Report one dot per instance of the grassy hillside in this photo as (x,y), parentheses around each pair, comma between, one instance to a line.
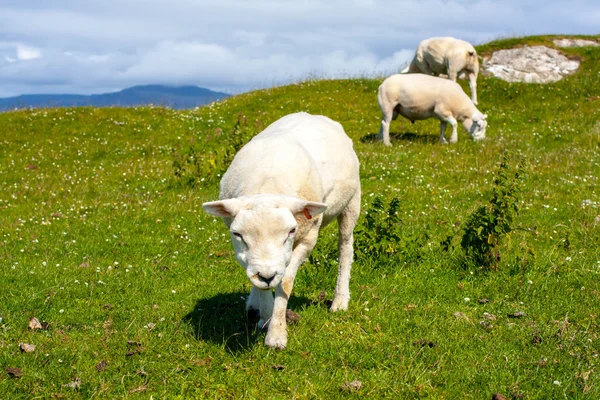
(104,238)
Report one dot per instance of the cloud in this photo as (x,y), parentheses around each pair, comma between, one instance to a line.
(27,53)
(237,45)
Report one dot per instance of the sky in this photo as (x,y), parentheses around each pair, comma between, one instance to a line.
(93,46)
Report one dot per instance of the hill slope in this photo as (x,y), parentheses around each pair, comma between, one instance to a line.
(167,96)
(100,210)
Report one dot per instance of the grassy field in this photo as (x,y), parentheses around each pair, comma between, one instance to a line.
(105,241)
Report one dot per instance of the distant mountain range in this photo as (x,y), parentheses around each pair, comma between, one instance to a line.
(159,95)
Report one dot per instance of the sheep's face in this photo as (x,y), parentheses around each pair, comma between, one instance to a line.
(262,238)
(477,126)
(262,229)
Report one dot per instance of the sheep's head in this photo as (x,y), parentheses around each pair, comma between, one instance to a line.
(262,229)
(476,126)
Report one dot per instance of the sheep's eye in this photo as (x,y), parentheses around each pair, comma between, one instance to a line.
(238,235)
(292,232)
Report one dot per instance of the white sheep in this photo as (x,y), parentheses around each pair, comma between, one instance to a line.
(293,178)
(449,56)
(419,96)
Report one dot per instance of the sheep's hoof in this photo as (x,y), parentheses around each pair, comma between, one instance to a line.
(339,304)
(276,342)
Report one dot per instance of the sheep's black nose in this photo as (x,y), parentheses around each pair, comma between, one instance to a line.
(266,280)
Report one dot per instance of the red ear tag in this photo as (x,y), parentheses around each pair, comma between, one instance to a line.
(306,214)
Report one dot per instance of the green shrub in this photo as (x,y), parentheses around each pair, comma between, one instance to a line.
(489,224)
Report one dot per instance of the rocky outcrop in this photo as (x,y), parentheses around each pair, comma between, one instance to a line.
(535,64)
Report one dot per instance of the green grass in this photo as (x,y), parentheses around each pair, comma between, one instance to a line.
(101,240)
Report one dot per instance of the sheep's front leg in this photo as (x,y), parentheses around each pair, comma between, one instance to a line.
(452,121)
(454,137)
(346,222)
(261,301)
(277,331)
(442,132)
(452,74)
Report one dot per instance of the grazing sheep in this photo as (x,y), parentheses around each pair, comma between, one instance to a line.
(418,96)
(290,180)
(447,55)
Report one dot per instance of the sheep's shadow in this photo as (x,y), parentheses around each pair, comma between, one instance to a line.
(403,136)
(222,319)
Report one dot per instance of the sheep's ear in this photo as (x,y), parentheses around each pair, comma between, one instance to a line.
(313,208)
(308,208)
(484,116)
(221,208)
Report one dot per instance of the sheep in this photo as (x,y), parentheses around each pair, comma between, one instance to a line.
(281,188)
(419,96)
(449,56)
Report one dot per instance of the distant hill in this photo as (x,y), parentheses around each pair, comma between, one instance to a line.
(158,95)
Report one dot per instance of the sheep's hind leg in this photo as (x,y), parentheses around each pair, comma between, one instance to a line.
(473,86)
(387,115)
(346,222)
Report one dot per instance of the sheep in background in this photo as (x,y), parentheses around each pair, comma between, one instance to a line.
(290,180)
(419,96)
(449,56)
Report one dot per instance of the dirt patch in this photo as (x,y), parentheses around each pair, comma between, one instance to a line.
(535,64)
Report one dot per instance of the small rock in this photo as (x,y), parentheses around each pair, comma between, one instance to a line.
(101,366)
(518,314)
(73,385)
(489,317)
(34,323)
(26,347)
(498,396)
(483,301)
(278,367)
(351,386)
(485,324)
(14,372)
(460,315)
(291,317)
